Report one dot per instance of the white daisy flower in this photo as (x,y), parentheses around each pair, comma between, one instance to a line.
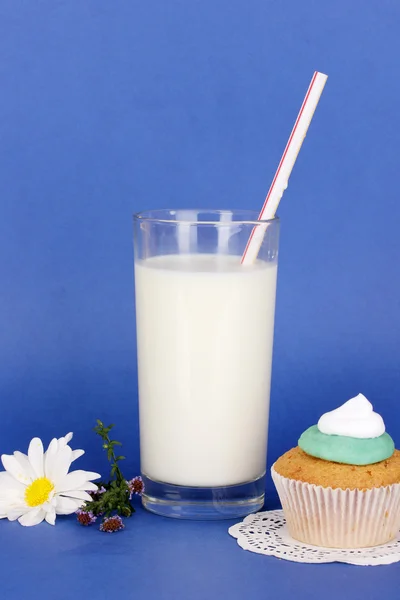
(38,486)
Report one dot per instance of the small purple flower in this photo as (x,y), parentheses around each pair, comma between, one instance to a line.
(97,493)
(85,517)
(135,486)
(112,524)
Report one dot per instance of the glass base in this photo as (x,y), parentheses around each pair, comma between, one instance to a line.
(199,503)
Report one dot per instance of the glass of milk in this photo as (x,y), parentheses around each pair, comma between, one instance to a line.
(205,330)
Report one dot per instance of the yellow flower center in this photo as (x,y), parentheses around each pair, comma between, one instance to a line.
(38,492)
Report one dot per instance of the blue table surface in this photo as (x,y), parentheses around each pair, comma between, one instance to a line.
(155,557)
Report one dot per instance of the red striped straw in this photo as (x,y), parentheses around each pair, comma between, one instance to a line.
(280,181)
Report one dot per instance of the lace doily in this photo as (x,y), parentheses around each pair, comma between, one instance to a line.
(266,533)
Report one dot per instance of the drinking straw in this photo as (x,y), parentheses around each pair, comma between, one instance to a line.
(280,181)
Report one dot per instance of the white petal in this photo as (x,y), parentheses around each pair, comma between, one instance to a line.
(67,506)
(50,458)
(8,483)
(53,447)
(63,441)
(76,480)
(25,464)
(33,517)
(13,503)
(60,465)
(4,508)
(15,513)
(77,454)
(78,494)
(14,468)
(11,497)
(51,516)
(36,456)
(88,486)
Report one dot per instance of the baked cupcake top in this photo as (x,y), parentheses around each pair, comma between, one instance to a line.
(352,434)
(296,464)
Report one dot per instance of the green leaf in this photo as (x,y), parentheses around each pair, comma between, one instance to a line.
(116,497)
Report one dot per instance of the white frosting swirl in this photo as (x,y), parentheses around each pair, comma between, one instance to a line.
(355,418)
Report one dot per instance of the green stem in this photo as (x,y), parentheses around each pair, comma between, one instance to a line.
(118,474)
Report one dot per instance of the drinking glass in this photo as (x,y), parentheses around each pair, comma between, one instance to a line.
(204,344)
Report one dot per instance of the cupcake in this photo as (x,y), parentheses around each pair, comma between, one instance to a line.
(340,487)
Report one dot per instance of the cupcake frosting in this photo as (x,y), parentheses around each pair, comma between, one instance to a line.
(351,434)
(355,418)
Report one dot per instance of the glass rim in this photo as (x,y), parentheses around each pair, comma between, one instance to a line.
(149,216)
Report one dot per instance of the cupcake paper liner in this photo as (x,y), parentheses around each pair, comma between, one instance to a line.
(336,518)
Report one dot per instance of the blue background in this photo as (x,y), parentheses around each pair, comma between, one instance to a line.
(107,108)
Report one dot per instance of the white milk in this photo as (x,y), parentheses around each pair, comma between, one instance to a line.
(204,331)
